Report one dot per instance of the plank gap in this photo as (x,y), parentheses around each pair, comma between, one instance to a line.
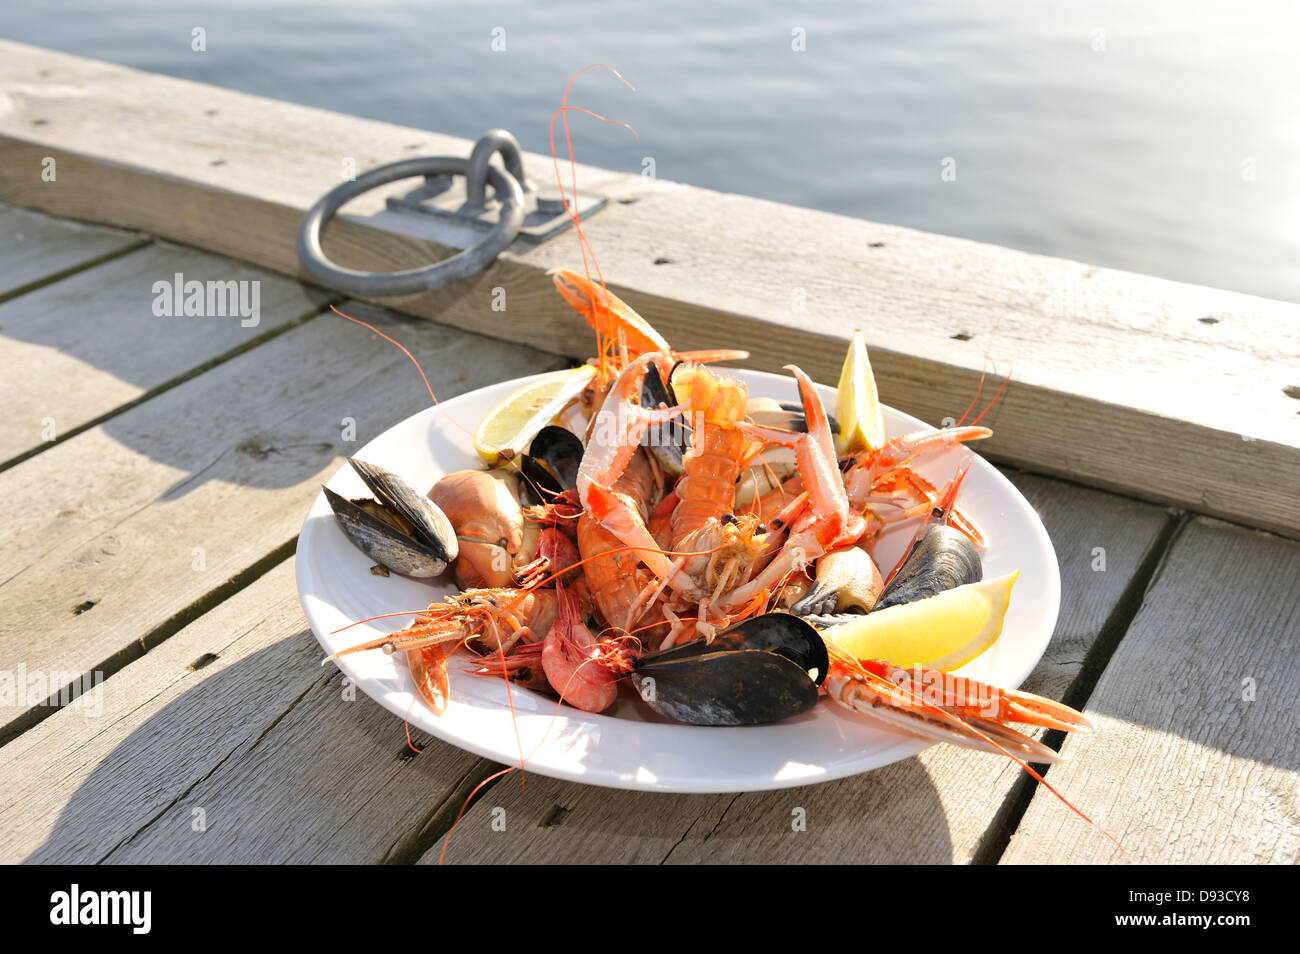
(74,270)
(454,806)
(170,384)
(180,797)
(1192,764)
(1011,465)
(997,836)
(133,651)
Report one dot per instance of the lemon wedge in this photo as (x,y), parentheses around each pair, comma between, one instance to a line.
(862,424)
(506,431)
(941,632)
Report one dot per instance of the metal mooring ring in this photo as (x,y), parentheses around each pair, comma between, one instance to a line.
(489,144)
(414,280)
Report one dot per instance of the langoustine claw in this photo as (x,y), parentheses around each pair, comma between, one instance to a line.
(483,506)
(428,668)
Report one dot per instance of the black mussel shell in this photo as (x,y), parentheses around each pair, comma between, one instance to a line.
(400,529)
(749,687)
(667,442)
(537,484)
(763,670)
(790,418)
(654,392)
(782,633)
(560,451)
(941,560)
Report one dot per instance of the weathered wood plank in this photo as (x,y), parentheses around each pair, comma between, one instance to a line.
(35,248)
(228,743)
(85,346)
(1121,381)
(1198,756)
(109,540)
(935,808)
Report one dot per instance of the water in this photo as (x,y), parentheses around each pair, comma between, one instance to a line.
(1159,137)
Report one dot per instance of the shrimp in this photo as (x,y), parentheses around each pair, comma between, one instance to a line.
(428,666)
(583,670)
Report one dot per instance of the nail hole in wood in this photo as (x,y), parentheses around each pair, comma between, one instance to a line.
(1208,320)
(962,336)
(630,200)
(554,817)
(663,261)
(1292,391)
(82,607)
(877,244)
(207,659)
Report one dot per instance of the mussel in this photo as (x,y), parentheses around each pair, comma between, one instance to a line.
(399,529)
(764,669)
(667,442)
(551,465)
(942,559)
(769,470)
(787,415)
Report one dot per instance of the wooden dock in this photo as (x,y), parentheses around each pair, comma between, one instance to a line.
(154,473)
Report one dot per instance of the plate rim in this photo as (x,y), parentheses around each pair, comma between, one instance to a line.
(902,748)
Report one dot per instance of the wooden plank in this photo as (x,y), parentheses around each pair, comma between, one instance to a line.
(114,539)
(1198,756)
(228,743)
(937,807)
(36,249)
(83,347)
(1174,392)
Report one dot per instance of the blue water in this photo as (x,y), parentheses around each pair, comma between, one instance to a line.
(1160,137)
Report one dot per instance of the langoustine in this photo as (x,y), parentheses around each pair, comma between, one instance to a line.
(664,561)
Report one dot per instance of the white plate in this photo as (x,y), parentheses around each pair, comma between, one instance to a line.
(629,746)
